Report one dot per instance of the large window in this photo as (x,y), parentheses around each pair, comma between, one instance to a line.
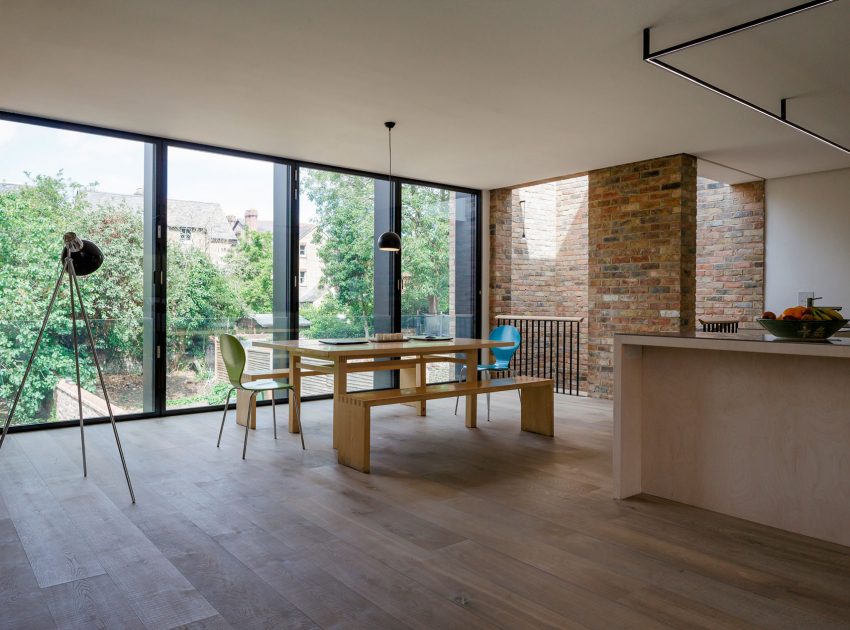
(199,241)
(53,181)
(220,231)
(438,266)
(337,266)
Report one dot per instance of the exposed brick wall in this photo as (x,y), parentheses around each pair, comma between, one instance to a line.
(730,251)
(544,272)
(668,248)
(642,256)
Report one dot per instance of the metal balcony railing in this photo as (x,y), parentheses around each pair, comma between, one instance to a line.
(550,348)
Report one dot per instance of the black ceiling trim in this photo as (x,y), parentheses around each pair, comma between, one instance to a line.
(653,58)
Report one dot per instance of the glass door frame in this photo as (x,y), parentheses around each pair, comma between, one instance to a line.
(286,290)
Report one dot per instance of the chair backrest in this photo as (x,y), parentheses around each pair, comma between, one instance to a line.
(724,326)
(504,355)
(233,355)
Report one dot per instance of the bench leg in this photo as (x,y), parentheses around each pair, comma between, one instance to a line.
(246,409)
(538,410)
(353,432)
(414,377)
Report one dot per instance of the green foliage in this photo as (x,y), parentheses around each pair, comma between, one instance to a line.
(250,265)
(425,250)
(345,239)
(33,220)
(201,301)
(215,396)
(329,319)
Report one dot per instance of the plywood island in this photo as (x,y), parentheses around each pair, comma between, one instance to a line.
(745,425)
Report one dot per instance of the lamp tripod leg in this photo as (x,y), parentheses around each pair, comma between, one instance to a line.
(77,365)
(32,356)
(100,378)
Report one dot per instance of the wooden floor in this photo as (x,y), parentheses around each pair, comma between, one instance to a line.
(455,528)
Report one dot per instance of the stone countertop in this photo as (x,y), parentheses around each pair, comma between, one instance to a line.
(739,342)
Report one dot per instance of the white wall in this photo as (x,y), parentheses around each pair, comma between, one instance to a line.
(807,239)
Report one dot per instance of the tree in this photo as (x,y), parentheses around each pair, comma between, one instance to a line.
(344,235)
(425,250)
(250,264)
(201,299)
(33,220)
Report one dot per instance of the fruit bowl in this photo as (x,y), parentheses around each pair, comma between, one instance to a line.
(803,330)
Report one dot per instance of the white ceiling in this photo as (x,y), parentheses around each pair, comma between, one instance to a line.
(486,93)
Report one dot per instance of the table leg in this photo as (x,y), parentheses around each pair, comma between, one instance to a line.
(294,395)
(340,387)
(246,409)
(471,401)
(353,424)
(416,376)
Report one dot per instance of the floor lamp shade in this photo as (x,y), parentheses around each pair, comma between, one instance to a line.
(86,256)
(389,242)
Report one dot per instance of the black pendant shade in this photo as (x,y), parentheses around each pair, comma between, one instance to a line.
(389,242)
(86,256)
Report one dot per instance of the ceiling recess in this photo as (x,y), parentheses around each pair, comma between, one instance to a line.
(654,59)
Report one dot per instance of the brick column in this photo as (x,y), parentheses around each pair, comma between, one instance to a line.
(642,220)
(730,251)
(501,252)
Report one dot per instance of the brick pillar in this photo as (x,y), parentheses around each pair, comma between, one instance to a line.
(501,252)
(642,220)
(730,251)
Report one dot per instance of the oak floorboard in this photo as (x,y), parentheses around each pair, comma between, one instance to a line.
(94,602)
(241,597)
(22,604)
(56,551)
(489,528)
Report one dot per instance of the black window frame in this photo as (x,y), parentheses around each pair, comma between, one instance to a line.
(287,305)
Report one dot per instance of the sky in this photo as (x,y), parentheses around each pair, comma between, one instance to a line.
(117,166)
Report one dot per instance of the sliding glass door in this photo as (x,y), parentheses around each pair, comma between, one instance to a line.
(339,213)
(220,252)
(53,181)
(438,266)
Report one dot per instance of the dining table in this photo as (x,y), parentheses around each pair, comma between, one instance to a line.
(411,357)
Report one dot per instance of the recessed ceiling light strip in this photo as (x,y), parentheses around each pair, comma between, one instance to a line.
(652,58)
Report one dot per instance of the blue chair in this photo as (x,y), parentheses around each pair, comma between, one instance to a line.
(502,358)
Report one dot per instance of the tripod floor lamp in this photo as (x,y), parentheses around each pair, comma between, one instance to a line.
(79,258)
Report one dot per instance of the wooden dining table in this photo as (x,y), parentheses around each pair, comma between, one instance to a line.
(411,358)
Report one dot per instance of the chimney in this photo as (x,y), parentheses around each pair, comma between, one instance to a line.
(231,219)
(251,218)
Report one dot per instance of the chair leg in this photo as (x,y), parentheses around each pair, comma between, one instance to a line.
(457,402)
(274,415)
(247,425)
(487,372)
(300,426)
(226,405)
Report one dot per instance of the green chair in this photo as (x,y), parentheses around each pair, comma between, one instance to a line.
(234,360)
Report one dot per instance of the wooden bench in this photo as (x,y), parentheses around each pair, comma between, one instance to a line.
(537,410)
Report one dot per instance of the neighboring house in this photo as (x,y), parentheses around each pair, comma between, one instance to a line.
(310,265)
(204,225)
(199,224)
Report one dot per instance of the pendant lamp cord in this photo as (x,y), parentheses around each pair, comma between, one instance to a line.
(390,139)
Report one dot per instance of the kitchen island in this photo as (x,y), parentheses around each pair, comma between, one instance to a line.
(745,425)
